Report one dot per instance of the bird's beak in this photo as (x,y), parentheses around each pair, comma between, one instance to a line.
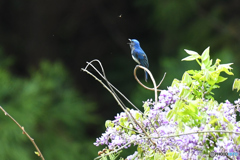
(130,41)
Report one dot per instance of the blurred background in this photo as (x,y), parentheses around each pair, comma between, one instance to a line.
(44,45)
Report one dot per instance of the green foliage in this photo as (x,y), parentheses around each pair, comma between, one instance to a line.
(195,87)
(201,83)
(51,111)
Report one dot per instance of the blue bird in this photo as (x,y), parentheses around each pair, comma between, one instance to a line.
(139,55)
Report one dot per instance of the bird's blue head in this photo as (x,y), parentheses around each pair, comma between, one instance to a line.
(133,43)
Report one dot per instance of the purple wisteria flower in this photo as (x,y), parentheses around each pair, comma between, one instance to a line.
(154,132)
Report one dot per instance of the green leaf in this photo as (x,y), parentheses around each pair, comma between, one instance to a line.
(207,75)
(146,108)
(158,156)
(225,120)
(185,93)
(213,77)
(206,62)
(171,155)
(225,68)
(139,150)
(192,72)
(193,55)
(123,121)
(230,126)
(203,67)
(109,123)
(118,128)
(197,76)
(170,114)
(138,115)
(236,84)
(215,138)
(213,121)
(189,58)
(205,54)
(238,140)
(186,79)
(192,107)
(221,79)
(220,106)
(175,83)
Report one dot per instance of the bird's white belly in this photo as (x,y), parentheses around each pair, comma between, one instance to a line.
(135,59)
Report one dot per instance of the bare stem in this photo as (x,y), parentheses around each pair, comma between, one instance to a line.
(105,78)
(134,122)
(155,88)
(24,132)
(111,90)
(196,132)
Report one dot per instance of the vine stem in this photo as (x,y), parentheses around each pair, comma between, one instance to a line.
(24,132)
(155,87)
(134,122)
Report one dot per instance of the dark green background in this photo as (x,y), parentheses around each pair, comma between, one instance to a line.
(44,44)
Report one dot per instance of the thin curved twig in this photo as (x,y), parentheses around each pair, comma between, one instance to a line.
(196,132)
(161,80)
(155,88)
(110,89)
(124,108)
(105,78)
(24,132)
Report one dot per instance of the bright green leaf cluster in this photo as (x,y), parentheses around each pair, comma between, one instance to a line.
(195,87)
(202,82)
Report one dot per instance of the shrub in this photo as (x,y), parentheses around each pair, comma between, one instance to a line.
(185,122)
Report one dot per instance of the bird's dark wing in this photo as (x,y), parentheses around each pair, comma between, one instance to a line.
(140,57)
(144,60)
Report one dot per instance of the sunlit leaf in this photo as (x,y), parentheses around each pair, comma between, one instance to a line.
(213,121)
(221,79)
(109,123)
(138,115)
(205,54)
(189,58)
(192,53)
(238,140)
(236,84)
(186,78)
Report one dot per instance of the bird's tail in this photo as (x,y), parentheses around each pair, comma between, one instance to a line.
(146,76)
